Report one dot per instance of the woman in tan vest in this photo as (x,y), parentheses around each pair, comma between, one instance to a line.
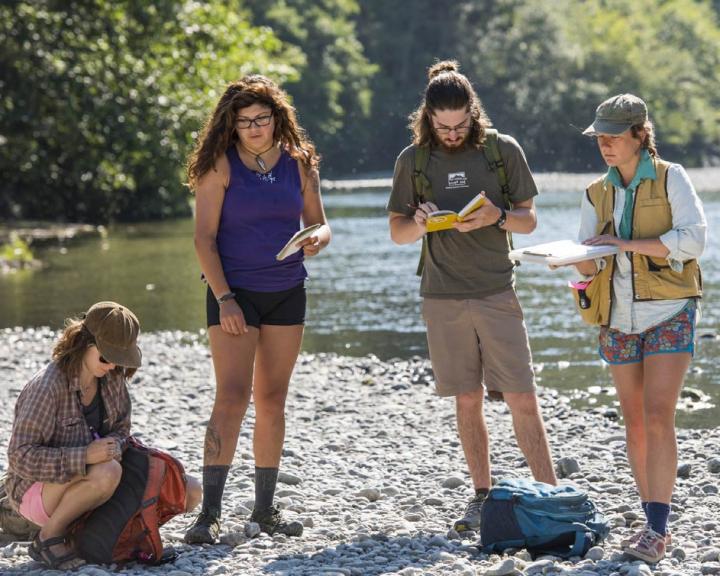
(646,297)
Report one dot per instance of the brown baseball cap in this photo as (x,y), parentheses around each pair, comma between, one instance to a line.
(618,114)
(115,329)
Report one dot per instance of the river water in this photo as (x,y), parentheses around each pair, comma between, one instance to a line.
(362,293)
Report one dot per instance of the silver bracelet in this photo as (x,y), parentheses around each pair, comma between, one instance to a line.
(225,297)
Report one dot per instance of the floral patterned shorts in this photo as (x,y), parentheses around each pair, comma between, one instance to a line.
(674,335)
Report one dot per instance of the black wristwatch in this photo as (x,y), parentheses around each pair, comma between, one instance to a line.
(503,218)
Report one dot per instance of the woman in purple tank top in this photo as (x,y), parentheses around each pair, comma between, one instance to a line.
(255,178)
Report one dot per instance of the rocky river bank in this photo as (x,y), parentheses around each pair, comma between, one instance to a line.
(373,469)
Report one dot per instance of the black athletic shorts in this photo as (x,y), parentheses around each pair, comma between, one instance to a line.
(284,308)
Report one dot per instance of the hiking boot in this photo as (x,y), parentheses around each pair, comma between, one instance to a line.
(650,546)
(205,529)
(271,522)
(470,522)
(626,542)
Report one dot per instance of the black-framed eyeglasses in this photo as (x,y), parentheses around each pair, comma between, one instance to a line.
(259,121)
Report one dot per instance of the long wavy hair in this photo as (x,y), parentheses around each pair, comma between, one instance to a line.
(220,132)
(70,349)
(448,89)
(648,141)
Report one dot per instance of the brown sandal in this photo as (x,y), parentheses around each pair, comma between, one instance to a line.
(39,551)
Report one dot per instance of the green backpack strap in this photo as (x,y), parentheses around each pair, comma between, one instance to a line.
(423,189)
(495,160)
(423,192)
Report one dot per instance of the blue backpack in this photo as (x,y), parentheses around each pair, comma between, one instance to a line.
(544,519)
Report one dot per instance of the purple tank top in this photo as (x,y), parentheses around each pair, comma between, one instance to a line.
(260,213)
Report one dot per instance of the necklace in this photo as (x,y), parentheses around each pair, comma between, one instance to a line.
(258,157)
(85,390)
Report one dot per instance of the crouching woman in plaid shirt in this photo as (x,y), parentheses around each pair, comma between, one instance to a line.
(70,423)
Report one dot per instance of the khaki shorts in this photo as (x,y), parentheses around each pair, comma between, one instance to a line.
(476,342)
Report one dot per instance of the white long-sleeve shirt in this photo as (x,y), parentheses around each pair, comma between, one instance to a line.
(685,241)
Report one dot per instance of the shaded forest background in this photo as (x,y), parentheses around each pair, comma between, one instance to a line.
(100,101)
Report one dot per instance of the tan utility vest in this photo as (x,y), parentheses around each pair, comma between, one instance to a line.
(652,278)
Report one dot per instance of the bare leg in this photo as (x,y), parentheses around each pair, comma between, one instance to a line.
(664,374)
(530,434)
(66,502)
(628,379)
(277,352)
(474,436)
(233,358)
(193,493)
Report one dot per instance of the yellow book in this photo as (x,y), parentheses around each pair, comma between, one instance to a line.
(444,219)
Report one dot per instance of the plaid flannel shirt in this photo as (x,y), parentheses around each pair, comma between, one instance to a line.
(50,436)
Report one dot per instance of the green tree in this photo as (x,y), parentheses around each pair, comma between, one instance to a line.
(332,92)
(541,68)
(669,54)
(99,100)
(404,39)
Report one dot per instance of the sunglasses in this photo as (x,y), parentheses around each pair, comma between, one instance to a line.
(104,361)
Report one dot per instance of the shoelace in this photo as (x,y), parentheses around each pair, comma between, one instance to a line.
(473,507)
(200,518)
(648,538)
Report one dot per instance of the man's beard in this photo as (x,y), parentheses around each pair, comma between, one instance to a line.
(457,146)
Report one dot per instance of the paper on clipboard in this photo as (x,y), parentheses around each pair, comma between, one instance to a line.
(561,252)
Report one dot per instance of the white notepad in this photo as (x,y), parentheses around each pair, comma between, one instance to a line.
(561,252)
(293,244)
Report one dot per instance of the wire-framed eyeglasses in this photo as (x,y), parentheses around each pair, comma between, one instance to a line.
(460,128)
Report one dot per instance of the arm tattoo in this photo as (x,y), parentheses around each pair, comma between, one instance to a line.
(213,445)
(313,181)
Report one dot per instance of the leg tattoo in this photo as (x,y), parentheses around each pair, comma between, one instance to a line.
(213,445)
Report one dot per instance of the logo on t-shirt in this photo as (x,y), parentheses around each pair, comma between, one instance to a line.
(456,180)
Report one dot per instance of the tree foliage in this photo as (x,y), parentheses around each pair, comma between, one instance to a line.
(100,100)
(332,92)
(541,68)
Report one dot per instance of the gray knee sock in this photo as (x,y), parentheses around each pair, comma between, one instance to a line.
(265,482)
(213,486)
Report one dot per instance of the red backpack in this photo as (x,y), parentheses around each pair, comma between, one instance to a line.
(127,527)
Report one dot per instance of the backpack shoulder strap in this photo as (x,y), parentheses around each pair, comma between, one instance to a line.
(497,164)
(423,189)
(495,160)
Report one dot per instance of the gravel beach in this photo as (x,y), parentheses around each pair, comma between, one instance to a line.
(373,468)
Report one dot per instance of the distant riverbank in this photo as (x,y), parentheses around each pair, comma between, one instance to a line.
(704,180)
(18,240)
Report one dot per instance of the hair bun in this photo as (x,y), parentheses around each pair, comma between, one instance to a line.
(442,67)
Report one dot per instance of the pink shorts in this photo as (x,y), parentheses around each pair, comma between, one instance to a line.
(32,507)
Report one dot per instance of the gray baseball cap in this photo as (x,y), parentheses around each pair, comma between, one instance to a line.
(617,114)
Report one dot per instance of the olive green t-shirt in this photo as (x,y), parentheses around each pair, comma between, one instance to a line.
(464,264)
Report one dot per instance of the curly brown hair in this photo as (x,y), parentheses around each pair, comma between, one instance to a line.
(648,141)
(70,349)
(219,131)
(448,89)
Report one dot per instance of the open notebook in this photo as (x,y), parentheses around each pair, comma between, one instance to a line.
(561,252)
(293,244)
(444,219)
